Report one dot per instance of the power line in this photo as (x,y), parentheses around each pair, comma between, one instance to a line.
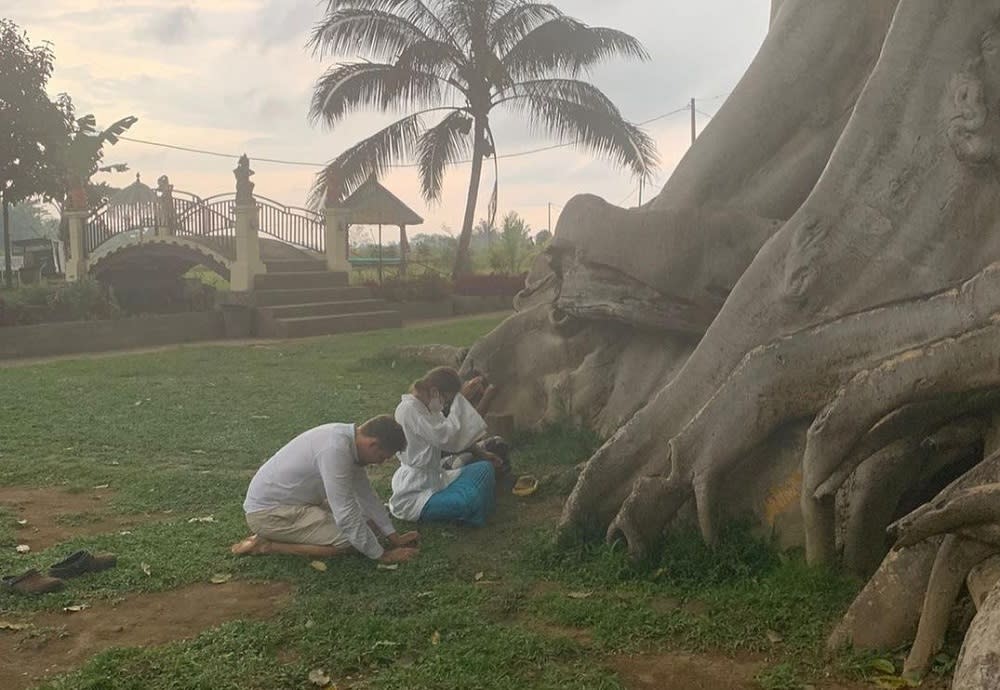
(219,154)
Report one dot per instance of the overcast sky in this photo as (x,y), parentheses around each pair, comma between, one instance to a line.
(234,76)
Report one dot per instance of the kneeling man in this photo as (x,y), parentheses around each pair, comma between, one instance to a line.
(313,497)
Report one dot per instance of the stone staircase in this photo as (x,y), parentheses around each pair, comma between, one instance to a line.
(298,298)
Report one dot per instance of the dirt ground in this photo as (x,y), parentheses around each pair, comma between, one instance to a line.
(58,642)
(680,671)
(53,516)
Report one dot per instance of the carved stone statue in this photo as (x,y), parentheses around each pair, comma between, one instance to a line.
(244,187)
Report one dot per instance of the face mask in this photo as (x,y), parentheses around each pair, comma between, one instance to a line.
(436,405)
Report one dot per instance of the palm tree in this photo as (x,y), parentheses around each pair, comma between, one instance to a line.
(460,59)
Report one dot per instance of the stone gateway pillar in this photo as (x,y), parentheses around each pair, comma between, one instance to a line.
(337,222)
(76,265)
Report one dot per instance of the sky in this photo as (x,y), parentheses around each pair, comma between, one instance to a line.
(234,76)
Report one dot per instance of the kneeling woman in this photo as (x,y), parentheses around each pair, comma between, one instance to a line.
(422,490)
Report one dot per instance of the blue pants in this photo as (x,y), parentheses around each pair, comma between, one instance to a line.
(469,499)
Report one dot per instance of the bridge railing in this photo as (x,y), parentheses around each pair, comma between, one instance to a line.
(291,224)
(210,221)
(131,221)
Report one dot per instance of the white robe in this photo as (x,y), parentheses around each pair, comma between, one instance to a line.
(420,474)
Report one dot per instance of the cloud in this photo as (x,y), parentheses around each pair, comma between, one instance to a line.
(172,26)
(280,22)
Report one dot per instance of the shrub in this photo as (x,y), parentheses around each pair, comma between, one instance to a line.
(85,300)
(428,287)
(492,285)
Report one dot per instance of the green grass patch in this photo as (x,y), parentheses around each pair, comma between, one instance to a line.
(178,434)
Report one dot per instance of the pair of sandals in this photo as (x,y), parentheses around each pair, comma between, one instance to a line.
(79,563)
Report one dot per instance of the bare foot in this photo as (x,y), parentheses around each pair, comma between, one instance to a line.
(251,545)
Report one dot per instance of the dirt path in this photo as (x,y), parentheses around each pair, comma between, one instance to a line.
(52,515)
(59,642)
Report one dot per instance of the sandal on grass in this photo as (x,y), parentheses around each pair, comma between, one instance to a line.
(31,582)
(82,562)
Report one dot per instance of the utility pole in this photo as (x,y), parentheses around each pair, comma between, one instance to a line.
(7,253)
(640,190)
(550,217)
(694,122)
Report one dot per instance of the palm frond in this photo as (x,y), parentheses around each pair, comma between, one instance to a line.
(572,90)
(113,133)
(368,158)
(517,21)
(433,57)
(440,146)
(415,11)
(566,45)
(376,34)
(345,88)
(596,130)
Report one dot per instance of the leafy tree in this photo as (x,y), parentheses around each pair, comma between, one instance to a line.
(33,128)
(483,54)
(84,153)
(513,248)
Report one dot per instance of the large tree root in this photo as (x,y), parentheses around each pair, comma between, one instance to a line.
(947,366)
(955,558)
(978,666)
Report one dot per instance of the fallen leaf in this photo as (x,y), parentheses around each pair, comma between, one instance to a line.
(22,522)
(198,452)
(883,666)
(424,595)
(221,578)
(137,403)
(391,566)
(309,624)
(259,416)
(318,565)
(319,677)
(5,625)
(101,486)
(207,518)
(580,595)
(115,463)
(393,365)
(22,548)
(479,576)
(145,568)
(385,643)
(125,533)
(773,637)
(76,608)
(436,638)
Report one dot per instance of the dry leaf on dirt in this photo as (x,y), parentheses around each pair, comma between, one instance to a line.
(5,625)
(22,523)
(391,566)
(580,595)
(319,677)
(221,578)
(436,638)
(318,565)
(22,548)
(145,568)
(102,486)
(76,608)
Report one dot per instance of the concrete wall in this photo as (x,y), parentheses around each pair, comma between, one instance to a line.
(73,337)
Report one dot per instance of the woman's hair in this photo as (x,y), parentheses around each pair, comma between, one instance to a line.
(445,379)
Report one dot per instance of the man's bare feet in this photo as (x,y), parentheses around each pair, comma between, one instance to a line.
(251,545)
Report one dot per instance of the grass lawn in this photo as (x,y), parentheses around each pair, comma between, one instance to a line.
(177,435)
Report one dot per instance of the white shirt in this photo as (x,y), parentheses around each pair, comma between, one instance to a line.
(321,466)
(427,434)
